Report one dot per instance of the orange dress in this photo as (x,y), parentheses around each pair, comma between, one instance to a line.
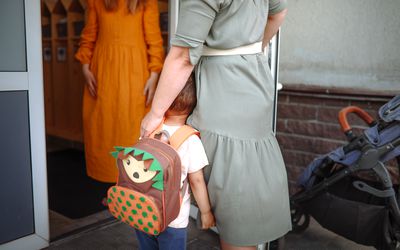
(122,49)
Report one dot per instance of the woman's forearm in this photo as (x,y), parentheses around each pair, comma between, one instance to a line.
(174,75)
(273,24)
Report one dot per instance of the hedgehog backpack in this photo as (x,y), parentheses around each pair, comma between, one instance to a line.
(147,195)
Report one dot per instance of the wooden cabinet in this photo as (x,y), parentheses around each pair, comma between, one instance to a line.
(62,22)
(47,61)
(163,8)
(75,24)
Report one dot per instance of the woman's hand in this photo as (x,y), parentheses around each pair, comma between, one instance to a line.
(150,123)
(150,87)
(207,220)
(90,80)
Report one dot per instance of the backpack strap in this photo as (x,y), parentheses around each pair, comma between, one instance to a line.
(176,141)
(181,135)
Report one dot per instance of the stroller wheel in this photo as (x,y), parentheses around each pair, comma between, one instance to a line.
(300,220)
(395,245)
(278,244)
(391,233)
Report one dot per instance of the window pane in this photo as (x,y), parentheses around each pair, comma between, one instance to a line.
(12,36)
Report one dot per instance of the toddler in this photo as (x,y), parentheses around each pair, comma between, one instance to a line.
(193,159)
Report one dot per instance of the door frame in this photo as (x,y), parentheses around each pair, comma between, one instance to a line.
(32,82)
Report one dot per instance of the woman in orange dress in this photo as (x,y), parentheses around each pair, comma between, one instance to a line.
(121,52)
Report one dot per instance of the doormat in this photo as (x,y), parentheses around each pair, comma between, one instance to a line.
(71,192)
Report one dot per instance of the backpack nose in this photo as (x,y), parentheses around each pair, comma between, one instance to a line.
(136,175)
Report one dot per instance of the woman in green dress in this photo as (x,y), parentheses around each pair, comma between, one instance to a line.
(222,40)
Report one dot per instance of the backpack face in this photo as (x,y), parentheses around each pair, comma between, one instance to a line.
(136,170)
(147,194)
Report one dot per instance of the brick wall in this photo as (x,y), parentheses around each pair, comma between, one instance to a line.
(307,125)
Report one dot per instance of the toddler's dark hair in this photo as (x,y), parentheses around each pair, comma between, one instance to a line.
(186,100)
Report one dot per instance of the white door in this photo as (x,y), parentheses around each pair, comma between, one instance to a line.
(23,183)
(273,58)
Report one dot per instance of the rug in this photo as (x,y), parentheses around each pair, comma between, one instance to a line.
(71,192)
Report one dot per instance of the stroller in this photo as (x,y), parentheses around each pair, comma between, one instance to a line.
(349,191)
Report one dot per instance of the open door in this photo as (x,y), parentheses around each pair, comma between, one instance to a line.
(23,182)
(273,60)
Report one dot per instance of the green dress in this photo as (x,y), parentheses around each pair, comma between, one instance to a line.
(247,180)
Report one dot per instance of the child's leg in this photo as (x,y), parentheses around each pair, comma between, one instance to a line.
(146,241)
(173,238)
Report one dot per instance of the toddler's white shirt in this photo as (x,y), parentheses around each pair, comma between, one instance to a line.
(193,158)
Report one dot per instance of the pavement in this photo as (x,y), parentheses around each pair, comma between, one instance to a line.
(113,234)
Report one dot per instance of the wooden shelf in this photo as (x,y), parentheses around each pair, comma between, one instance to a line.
(74,37)
(60,39)
(64,133)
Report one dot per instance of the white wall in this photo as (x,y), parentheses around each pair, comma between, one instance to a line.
(352,44)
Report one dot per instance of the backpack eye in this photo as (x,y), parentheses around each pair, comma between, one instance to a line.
(128,162)
(145,170)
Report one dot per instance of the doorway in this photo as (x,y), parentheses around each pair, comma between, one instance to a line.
(75,200)
(69,189)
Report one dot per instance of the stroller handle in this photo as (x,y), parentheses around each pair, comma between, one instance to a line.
(344,123)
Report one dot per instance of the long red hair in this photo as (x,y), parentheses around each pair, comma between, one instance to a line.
(131,4)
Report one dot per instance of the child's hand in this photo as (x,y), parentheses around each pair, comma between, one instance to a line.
(207,220)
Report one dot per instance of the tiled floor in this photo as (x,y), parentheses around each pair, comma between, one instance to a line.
(116,235)
(317,238)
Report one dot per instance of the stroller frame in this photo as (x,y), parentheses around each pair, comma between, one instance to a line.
(369,160)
